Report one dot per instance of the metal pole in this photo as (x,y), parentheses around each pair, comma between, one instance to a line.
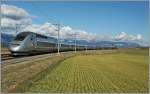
(16,28)
(86,48)
(58,37)
(75,45)
(58,44)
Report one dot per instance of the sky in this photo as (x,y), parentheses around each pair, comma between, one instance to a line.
(128,20)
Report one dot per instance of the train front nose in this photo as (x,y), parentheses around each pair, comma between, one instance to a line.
(14,48)
(17,48)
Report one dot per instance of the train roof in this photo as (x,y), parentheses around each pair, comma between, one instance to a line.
(30,32)
(53,39)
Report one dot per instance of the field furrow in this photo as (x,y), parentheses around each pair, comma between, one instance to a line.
(102,73)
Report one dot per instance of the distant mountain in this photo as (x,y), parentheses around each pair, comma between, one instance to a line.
(5,39)
(116,44)
(125,44)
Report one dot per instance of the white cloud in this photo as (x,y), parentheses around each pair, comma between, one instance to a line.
(13,12)
(12,15)
(7,22)
(65,31)
(127,37)
(68,32)
(139,37)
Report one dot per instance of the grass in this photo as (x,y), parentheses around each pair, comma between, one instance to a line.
(124,71)
(15,74)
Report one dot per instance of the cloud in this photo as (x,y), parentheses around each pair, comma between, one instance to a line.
(127,37)
(11,23)
(139,37)
(12,15)
(45,29)
(13,12)
(7,22)
(65,31)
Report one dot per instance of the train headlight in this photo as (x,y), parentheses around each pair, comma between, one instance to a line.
(15,48)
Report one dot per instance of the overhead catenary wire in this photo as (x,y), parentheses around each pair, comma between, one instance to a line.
(75,43)
(57,25)
(45,14)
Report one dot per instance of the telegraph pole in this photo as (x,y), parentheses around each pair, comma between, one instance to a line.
(58,37)
(17,28)
(86,48)
(75,43)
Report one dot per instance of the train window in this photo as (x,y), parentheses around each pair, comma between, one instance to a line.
(20,37)
(32,38)
(45,44)
(41,36)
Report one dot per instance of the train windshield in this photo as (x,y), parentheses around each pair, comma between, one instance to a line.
(21,37)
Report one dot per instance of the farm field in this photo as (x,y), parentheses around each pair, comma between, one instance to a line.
(124,71)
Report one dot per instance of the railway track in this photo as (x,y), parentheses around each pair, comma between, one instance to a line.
(6,57)
(23,59)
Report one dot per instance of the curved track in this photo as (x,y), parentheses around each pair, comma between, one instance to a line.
(12,60)
(6,57)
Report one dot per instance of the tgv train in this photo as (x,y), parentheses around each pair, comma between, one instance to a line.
(27,42)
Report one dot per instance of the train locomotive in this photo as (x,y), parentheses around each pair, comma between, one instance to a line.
(26,43)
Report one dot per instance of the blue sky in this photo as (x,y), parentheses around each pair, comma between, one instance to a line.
(97,17)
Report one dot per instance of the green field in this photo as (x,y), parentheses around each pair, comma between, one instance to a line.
(124,71)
